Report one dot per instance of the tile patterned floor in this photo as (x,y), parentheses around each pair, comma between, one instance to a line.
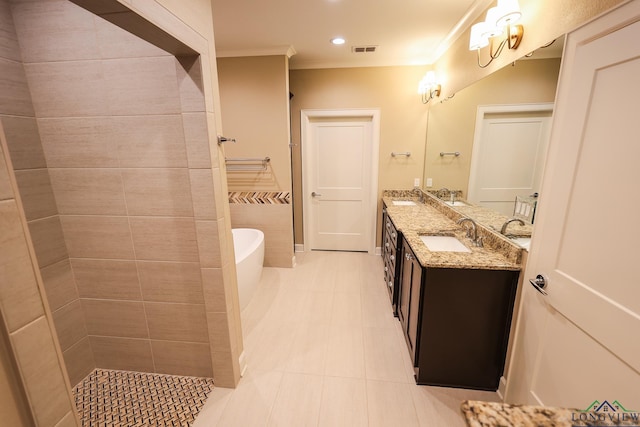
(131,399)
(323,349)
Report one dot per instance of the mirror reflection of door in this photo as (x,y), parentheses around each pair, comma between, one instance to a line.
(509,150)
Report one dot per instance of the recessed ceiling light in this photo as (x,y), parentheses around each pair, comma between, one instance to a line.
(338,40)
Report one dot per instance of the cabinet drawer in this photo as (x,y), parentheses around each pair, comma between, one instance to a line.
(391,231)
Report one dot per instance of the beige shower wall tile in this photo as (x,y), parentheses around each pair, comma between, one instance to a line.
(23,140)
(98,237)
(177,322)
(171,282)
(16,98)
(209,244)
(122,353)
(182,358)
(164,239)
(106,279)
(197,140)
(158,192)
(115,318)
(59,284)
(221,335)
(9,47)
(226,371)
(204,204)
(69,420)
(88,191)
(216,150)
(115,42)
(141,86)
(190,84)
(6,190)
(54,31)
(70,325)
(76,142)
(40,368)
(221,195)
(150,141)
(79,361)
(48,240)
(36,193)
(68,88)
(216,299)
(19,295)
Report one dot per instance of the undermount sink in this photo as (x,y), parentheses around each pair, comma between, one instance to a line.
(403,203)
(456,203)
(444,244)
(524,242)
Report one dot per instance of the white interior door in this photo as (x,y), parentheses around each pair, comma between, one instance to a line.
(338,153)
(580,343)
(508,154)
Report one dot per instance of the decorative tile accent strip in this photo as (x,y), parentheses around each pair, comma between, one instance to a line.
(260,197)
(130,399)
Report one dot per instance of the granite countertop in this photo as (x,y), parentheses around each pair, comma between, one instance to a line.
(434,217)
(496,414)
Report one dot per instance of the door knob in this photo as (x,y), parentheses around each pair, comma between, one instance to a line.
(314,194)
(540,283)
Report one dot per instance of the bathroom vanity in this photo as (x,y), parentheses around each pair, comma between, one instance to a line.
(454,303)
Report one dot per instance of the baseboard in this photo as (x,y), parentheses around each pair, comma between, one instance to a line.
(299,248)
(242,361)
(378,250)
(502,388)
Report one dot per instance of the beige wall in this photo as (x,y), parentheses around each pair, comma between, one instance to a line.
(451,124)
(36,191)
(543,20)
(150,118)
(26,318)
(254,94)
(124,183)
(403,119)
(13,401)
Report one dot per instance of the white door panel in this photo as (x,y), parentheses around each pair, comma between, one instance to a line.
(585,239)
(508,154)
(340,156)
(572,357)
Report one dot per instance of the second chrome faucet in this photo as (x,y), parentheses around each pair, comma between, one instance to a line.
(472,232)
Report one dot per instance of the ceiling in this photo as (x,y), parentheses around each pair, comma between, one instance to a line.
(404,32)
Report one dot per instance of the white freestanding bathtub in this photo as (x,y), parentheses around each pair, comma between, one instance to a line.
(248,245)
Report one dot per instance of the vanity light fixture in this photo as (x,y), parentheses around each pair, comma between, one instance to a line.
(428,87)
(502,16)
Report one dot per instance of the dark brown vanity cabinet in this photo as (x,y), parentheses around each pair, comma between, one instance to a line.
(456,322)
(390,238)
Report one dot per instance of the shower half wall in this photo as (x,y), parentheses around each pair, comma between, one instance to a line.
(110,147)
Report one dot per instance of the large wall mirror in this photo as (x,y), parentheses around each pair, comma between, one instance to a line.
(500,127)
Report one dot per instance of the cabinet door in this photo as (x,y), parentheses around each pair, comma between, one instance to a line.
(409,299)
(414,305)
(405,286)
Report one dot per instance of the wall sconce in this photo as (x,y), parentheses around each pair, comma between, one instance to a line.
(428,87)
(505,14)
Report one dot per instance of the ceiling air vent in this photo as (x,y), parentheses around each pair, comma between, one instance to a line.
(363,49)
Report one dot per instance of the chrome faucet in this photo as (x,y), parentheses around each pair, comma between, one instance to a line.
(472,232)
(503,230)
(418,192)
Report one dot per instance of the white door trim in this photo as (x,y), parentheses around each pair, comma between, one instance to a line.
(482,111)
(306,116)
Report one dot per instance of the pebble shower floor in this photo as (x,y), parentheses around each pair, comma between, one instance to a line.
(122,398)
